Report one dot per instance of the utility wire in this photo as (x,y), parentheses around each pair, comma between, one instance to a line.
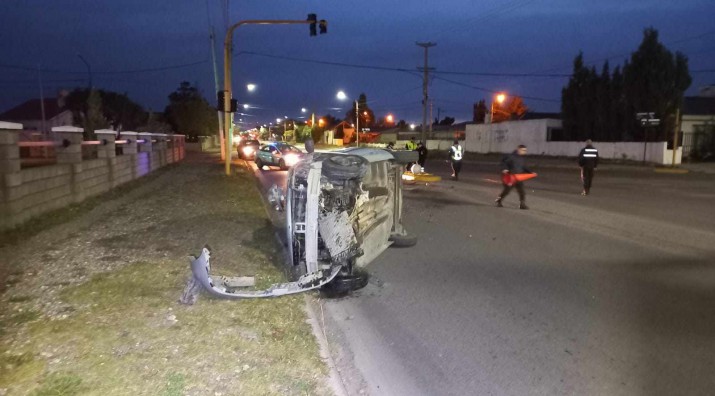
(147,70)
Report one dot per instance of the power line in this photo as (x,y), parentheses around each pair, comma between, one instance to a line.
(147,70)
(491,91)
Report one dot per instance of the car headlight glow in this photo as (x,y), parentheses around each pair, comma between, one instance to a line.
(291,159)
(248,150)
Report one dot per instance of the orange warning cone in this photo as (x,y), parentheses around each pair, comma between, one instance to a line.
(524,176)
(510,178)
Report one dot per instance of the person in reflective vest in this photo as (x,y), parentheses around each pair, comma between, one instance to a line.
(456,152)
(588,161)
(411,145)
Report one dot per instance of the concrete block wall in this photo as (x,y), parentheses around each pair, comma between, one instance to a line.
(27,193)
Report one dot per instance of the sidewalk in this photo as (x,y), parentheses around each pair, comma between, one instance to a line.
(91,300)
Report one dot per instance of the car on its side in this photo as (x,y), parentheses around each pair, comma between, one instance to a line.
(343,209)
(279,154)
(247,148)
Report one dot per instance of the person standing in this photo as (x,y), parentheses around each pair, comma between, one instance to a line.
(411,145)
(421,155)
(456,152)
(588,161)
(514,164)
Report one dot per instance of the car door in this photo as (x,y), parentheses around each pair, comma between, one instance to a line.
(265,154)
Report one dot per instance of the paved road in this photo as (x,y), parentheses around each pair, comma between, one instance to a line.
(613,293)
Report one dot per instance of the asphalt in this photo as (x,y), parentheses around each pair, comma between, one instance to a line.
(613,293)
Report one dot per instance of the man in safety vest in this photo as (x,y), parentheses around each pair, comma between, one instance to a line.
(456,152)
(411,145)
(588,161)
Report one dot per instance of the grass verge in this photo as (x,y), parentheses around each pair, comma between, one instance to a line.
(125,332)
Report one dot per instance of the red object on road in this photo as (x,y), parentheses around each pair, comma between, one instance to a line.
(510,178)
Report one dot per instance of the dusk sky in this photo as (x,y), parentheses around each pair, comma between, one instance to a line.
(122,39)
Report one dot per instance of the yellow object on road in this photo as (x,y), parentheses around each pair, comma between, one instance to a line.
(410,178)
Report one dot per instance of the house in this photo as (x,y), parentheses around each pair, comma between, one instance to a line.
(29,114)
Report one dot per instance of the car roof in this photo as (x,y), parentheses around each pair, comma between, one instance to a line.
(370,154)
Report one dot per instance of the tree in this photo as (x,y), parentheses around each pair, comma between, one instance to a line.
(367,117)
(446,121)
(512,109)
(117,109)
(654,80)
(479,112)
(92,118)
(604,106)
(189,113)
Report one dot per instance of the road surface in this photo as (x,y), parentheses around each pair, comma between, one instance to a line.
(613,293)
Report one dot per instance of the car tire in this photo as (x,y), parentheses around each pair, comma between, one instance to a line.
(342,285)
(403,240)
(282,165)
(259,163)
(344,167)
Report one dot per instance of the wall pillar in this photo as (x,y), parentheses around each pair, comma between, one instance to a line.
(107,150)
(130,149)
(69,151)
(10,176)
(160,148)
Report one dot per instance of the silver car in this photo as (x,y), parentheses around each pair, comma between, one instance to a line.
(343,209)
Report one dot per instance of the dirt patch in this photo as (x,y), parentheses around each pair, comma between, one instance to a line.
(91,301)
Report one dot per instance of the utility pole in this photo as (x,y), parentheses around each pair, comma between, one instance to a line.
(42,99)
(425,95)
(431,119)
(216,84)
(675,136)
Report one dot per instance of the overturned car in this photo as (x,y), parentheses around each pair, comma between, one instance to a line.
(343,209)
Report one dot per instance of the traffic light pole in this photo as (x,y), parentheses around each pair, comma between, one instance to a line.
(227,50)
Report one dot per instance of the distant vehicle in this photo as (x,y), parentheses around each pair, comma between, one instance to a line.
(279,154)
(247,149)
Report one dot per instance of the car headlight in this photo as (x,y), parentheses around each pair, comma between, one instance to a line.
(248,150)
(291,159)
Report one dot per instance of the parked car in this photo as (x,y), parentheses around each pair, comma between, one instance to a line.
(247,149)
(343,209)
(279,154)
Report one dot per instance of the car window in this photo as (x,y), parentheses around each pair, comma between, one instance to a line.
(272,149)
(266,148)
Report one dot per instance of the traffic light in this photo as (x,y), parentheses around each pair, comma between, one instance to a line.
(313,19)
(323,26)
(234,106)
(221,96)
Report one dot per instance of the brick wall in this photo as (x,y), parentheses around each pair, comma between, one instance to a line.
(27,193)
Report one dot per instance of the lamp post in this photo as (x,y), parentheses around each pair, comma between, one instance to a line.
(342,96)
(500,97)
(227,57)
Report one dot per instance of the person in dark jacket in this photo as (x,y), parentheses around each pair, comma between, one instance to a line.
(588,161)
(421,155)
(514,163)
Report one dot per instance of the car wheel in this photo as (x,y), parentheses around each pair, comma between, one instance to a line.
(341,285)
(282,165)
(345,167)
(259,163)
(403,240)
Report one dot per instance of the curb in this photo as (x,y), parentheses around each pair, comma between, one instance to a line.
(672,171)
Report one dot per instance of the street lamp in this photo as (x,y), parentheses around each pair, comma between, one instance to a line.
(246,106)
(500,98)
(251,87)
(390,118)
(342,96)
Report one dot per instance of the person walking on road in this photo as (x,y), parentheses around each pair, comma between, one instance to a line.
(514,164)
(588,161)
(421,155)
(456,152)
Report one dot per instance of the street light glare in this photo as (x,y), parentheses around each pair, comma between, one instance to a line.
(341,95)
(246,106)
(278,120)
(501,98)
(251,87)
(303,110)
(412,126)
